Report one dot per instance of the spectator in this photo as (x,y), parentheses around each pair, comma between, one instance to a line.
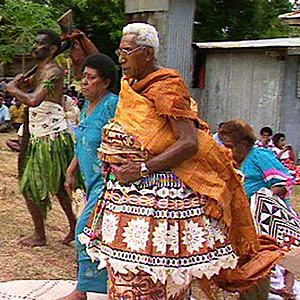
(265,141)
(217,136)
(72,113)
(17,114)
(286,155)
(73,91)
(4,116)
(15,144)
(80,103)
(3,85)
(8,101)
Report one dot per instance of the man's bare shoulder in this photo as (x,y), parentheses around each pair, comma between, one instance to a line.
(52,70)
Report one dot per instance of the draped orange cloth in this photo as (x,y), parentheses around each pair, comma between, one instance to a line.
(81,48)
(144,111)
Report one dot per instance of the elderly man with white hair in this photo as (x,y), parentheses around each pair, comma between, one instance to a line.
(171,206)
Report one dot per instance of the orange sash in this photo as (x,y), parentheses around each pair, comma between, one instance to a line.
(209,172)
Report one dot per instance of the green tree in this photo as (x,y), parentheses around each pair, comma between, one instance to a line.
(20,21)
(240,19)
(100,20)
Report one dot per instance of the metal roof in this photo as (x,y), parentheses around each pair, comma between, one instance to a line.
(291,18)
(290,15)
(262,43)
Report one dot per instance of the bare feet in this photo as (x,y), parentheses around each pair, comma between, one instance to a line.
(75,295)
(69,238)
(33,241)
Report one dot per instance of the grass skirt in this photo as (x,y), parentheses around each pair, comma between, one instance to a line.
(45,167)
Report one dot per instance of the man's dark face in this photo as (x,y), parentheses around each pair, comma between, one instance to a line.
(1,101)
(41,48)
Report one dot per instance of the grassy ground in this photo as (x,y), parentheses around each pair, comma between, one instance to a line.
(296,198)
(54,261)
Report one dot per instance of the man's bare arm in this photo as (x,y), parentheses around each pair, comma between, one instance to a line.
(45,87)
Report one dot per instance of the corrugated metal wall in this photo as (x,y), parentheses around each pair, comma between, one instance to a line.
(290,104)
(242,84)
(174,20)
(179,37)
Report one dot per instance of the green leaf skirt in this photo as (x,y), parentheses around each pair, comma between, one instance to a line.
(45,167)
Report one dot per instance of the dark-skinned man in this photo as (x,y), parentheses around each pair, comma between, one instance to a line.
(50,147)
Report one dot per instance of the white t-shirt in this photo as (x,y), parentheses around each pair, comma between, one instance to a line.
(285,155)
(4,113)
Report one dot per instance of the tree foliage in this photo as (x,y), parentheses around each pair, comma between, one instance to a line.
(20,20)
(102,21)
(240,19)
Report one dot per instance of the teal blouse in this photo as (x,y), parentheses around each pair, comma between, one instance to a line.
(88,139)
(262,169)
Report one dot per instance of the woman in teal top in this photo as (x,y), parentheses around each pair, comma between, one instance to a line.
(260,168)
(100,75)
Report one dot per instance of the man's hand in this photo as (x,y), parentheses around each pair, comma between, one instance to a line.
(284,293)
(127,172)
(15,84)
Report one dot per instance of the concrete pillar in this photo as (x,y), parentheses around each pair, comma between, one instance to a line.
(174,21)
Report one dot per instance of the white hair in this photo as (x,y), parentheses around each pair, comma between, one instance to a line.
(146,34)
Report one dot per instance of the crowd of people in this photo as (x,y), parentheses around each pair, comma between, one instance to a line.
(166,205)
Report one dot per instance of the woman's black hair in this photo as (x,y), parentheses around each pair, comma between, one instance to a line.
(267,130)
(277,137)
(104,66)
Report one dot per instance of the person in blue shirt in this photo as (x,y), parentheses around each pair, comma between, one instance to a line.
(99,77)
(259,168)
(4,116)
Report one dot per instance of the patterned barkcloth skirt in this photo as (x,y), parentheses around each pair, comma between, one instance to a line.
(275,219)
(154,237)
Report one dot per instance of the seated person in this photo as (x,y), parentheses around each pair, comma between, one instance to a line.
(4,116)
(286,155)
(15,144)
(8,101)
(265,141)
(80,103)
(74,93)
(217,136)
(17,114)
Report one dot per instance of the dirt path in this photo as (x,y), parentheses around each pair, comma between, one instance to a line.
(53,261)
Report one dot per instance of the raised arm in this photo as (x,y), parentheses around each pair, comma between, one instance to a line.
(46,87)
